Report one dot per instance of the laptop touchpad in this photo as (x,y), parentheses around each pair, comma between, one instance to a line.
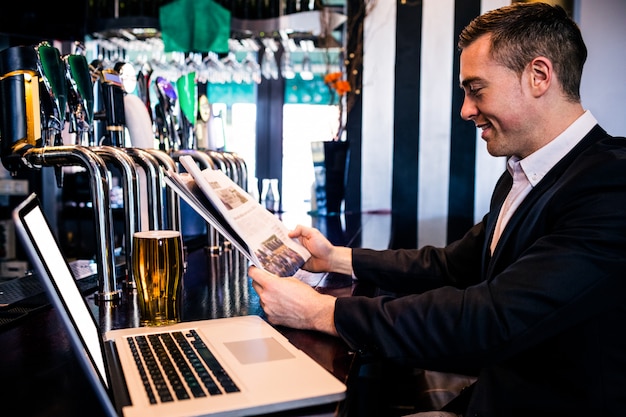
(258,350)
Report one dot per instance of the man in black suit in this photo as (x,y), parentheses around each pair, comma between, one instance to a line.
(533,296)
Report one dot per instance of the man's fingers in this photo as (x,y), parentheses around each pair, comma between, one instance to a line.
(259,276)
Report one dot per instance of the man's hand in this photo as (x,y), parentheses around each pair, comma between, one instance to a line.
(325,257)
(290,302)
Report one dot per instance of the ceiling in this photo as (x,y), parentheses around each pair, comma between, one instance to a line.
(75,19)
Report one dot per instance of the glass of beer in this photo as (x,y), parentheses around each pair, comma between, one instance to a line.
(158,269)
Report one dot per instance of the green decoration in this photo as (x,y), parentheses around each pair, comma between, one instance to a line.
(188,96)
(194,26)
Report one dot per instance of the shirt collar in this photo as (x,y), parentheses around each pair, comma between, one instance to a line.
(537,164)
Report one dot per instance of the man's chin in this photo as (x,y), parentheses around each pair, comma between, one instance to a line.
(495,151)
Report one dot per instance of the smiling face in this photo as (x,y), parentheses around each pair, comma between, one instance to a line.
(499,101)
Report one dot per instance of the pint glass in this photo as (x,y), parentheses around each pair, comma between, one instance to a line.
(157,260)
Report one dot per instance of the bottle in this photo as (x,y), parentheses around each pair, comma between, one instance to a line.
(269,194)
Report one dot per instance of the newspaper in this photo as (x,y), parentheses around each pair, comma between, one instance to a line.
(234,213)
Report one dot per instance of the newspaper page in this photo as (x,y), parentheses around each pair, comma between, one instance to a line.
(185,186)
(262,234)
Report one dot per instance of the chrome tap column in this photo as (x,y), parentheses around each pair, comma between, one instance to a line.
(96,167)
(81,112)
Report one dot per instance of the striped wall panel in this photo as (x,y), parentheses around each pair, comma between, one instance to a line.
(417,157)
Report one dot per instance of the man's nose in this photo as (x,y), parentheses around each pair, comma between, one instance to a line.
(469,110)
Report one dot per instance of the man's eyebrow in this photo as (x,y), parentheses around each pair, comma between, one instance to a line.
(468,81)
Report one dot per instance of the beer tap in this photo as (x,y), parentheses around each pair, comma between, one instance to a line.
(80,98)
(221,161)
(154,180)
(53,98)
(204,161)
(22,147)
(80,103)
(188,108)
(109,109)
(167,101)
(201,158)
(132,220)
(183,144)
(237,173)
(35,158)
(162,202)
(171,198)
(20,126)
(109,106)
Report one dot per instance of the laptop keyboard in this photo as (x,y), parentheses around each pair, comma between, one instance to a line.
(19,289)
(22,297)
(176,366)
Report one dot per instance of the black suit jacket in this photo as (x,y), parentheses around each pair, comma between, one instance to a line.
(543,321)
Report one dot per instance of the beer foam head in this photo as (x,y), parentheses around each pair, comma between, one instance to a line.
(156,234)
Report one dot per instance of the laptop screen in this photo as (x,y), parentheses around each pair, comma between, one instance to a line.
(45,254)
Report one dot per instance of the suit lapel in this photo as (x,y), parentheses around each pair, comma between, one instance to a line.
(502,188)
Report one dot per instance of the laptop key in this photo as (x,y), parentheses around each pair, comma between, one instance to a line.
(181,364)
(197,364)
(172,358)
(153,370)
(170,372)
(142,371)
(220,373)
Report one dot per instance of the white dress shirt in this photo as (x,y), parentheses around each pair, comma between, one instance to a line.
(529,171)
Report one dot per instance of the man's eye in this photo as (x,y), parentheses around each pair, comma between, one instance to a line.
(474,91)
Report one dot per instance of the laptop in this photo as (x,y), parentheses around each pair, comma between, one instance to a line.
(16,290)
(236,366)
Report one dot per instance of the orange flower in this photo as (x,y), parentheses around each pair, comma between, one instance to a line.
(335,82)
(342,87)
(332,77)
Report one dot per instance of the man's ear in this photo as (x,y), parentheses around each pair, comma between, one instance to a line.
(541,75)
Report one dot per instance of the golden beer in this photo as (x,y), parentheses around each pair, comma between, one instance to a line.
(157,260)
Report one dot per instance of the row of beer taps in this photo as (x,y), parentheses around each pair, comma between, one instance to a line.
(42,93)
